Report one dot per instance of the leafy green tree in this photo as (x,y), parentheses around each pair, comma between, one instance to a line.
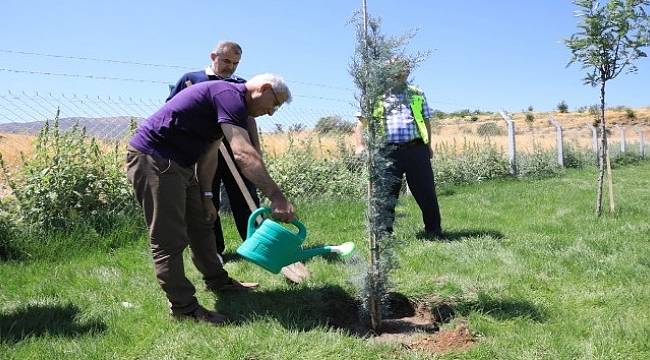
(610,39)
(562,107)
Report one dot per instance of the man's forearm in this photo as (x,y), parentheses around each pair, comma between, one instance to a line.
(251,164)
(250,161)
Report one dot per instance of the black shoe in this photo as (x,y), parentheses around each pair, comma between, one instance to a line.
(233,285)
(434,235)
(202,314)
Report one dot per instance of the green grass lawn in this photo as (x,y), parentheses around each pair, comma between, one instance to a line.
(527,266)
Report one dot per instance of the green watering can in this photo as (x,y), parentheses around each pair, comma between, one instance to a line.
(273,246)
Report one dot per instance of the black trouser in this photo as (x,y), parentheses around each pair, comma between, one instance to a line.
(240,210)
(413,160)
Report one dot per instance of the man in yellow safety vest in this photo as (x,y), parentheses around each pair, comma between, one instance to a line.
(402,118)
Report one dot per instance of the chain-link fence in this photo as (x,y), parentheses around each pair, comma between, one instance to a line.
(325,133)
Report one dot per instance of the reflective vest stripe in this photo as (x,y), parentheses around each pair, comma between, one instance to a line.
(416,101)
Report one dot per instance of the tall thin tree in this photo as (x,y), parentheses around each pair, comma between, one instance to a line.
(610,39)
(373,73)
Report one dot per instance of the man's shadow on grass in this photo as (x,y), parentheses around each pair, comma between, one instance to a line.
(231,257)
(305,308)
(459,235)
(297,308)
(45,320)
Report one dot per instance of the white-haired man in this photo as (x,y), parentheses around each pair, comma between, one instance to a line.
(160,161)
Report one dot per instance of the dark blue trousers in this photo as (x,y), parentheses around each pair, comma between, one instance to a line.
(413,160)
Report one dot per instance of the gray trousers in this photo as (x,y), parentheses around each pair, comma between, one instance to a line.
(170,196)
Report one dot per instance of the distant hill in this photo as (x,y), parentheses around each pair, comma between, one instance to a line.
(115,127)
(574,119)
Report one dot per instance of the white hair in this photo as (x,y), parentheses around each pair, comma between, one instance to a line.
(277,83)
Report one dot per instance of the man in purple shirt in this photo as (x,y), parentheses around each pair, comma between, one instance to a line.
(177,203)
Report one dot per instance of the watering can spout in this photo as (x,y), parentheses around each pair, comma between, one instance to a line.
(310,253)
(344,250)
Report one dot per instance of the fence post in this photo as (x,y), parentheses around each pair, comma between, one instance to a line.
(511,142)
(622,130)
(641,141)
(594,140)
(559,140)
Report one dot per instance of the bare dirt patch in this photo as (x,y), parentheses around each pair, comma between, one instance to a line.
(447,340)
(412,324)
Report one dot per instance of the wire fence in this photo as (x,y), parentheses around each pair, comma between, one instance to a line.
(55,179)
(108,119)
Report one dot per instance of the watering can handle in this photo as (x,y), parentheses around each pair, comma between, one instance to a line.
(302,230)
(251,219)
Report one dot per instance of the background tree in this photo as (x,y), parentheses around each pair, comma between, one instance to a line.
(610,39)
(373,74)
(333,123)
(296,128)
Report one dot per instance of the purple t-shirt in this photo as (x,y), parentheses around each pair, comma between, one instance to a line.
(184,127)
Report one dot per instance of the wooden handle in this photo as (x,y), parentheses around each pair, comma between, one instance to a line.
(238,178)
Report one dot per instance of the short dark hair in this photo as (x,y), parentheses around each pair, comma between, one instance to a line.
(224,45)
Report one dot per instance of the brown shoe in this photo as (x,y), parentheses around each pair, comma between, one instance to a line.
(203,315)
(234,285)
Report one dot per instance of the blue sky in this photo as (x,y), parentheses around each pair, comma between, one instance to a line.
(486,55)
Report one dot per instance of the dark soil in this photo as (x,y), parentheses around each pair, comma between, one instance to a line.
(414,324)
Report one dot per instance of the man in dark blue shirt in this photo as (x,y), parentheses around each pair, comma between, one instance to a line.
(224,61)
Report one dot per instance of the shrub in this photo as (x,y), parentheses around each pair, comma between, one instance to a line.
(329,124)
(460,113)
(69,181)
(540,163)
(562,107)
(301,175)
(296,128)
(438,114)
(530,118)
(576,157)
(472,163)
(489,129)
(7,233)
(630,114)
(632,155)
